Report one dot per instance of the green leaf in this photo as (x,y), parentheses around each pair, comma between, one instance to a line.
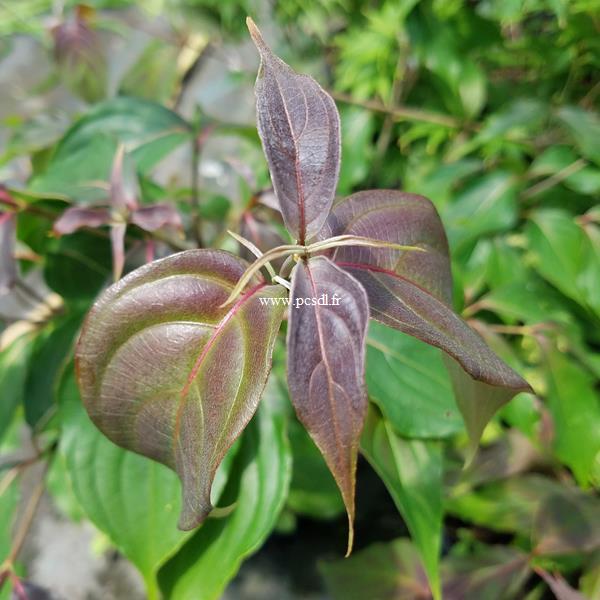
(412,473)
(390,570)
(585,129)
(407,379)
(170,373)
(313,491)
(135,501)
(78,266)
(506,506)
(148,130)
(50,353)
(83,158)
(575,407)
(258,486)
(486,206)
(564,255)
(14,362)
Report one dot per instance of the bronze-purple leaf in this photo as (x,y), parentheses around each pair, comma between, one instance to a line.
(166,372)
(76,217)
(329,313)
(412,291)
(156,216)
(299,126)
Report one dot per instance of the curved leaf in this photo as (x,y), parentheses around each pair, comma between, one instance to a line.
(411,291)
(258,486)
(167,372)
(299,126)
(326,356)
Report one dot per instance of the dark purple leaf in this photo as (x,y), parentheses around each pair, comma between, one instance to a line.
(8,262)
(411,291)
(299,126)
(326,355)
(383,571)
(75,218)
(567,522)
(497,573)
(167,372)
(400,218)
(151,218)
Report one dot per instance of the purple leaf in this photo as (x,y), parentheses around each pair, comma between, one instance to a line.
(411,291)
(75,218)
(151,218)
(326,355)
(8,262)
(401,218)
(299,126)
(495,573)
(166,372)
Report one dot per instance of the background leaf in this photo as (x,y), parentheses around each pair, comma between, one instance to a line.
(412,473)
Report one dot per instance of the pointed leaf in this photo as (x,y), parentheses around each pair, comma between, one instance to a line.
(151,218)
(412,473)
(411,291)
(326,355)
(75,218)
(299,126)
(258,486)
(169,373)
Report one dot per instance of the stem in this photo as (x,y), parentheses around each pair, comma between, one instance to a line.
(28,516)
(555,179)
(259,264)
(385,136)
(196,219)
(400,113)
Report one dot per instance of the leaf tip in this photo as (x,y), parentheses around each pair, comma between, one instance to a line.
(256,35)
(350,535)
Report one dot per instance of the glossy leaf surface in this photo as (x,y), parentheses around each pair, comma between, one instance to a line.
(300,130)
(411,291)
(167,372)
(326,355)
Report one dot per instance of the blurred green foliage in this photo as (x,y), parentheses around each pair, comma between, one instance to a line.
(487,107)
